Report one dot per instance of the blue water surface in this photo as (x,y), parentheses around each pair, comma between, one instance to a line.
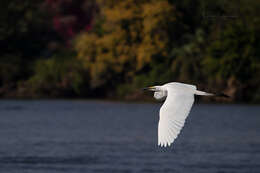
(62,136)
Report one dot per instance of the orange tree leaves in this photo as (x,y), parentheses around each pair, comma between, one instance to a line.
(132,34)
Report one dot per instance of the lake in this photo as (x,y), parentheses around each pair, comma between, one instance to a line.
(62,136)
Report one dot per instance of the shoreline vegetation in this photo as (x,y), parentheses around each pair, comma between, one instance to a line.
(97,49)
(149,100)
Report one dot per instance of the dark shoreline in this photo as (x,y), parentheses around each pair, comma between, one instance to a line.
(124,101)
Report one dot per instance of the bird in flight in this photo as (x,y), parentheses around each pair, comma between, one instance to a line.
(179,98)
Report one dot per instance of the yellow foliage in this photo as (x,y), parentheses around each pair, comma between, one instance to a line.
(134,32)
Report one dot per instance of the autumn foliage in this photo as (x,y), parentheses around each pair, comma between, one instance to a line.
(100,48)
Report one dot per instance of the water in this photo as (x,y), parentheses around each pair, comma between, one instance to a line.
(103,137)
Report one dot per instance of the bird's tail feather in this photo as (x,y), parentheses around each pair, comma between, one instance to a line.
(202,93)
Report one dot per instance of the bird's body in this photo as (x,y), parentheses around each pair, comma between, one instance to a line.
(174,111)
(176,108)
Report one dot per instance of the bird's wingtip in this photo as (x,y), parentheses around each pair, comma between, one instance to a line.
(164,144)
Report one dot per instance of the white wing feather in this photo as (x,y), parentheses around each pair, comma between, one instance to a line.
(174,112)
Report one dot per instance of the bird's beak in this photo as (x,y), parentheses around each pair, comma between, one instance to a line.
(152,88)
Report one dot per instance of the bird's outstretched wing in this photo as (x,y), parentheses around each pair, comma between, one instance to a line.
(173,114)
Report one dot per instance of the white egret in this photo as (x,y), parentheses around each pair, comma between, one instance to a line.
(173,113)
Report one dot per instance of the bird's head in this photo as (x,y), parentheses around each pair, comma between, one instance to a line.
(159,92)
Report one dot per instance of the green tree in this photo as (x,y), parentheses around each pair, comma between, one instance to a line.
(232,57)
(61,75)
(24,34)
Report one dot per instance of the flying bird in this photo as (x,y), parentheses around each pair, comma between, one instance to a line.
(179,98)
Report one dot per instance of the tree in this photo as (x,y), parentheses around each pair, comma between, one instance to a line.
(71,17)
(129,36)
(232,57)
(24,34)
